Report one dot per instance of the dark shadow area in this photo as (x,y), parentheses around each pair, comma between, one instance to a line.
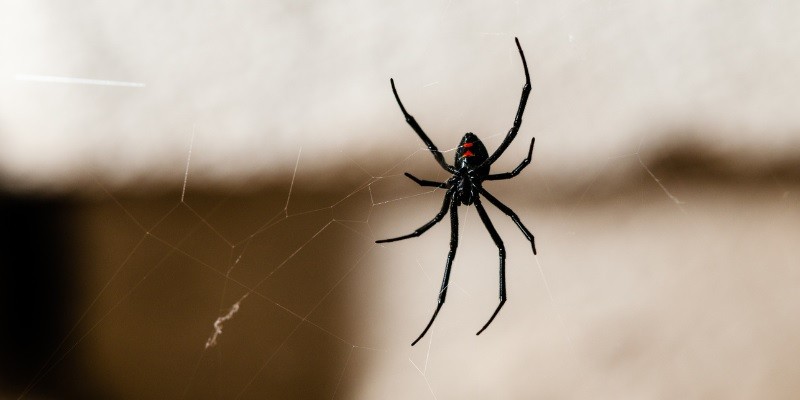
(142,278)
(116,297)
(704,162)
(676,166)
(37,297)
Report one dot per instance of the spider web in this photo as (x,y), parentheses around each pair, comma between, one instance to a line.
(259,289)
(246,294)
(282,291)
(279,291)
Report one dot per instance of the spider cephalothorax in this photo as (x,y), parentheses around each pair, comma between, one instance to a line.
(465,187)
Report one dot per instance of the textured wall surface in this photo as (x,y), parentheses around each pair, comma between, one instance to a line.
(173,170)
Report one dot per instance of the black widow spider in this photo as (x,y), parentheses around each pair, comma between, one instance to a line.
(472,163)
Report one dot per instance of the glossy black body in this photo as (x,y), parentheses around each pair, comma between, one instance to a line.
(470,168)
(465,187)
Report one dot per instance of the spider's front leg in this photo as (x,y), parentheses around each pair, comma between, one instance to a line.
(448,264)
(502,255)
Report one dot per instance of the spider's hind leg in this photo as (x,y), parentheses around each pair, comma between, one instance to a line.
(502,255)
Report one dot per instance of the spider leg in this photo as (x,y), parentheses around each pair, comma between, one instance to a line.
(526,91)
(446,279)
(423,182)
(516,171)
(507,211)
(448,196)
(502,254)
(414,125)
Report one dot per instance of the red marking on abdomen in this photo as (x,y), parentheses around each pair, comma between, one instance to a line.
(468,153)
(468,144)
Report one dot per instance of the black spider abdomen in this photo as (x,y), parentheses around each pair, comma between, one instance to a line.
(471,167)
(471,155)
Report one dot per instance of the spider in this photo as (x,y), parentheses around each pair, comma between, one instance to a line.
(465,187)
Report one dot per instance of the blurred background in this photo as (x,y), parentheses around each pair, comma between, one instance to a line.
(190,193)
